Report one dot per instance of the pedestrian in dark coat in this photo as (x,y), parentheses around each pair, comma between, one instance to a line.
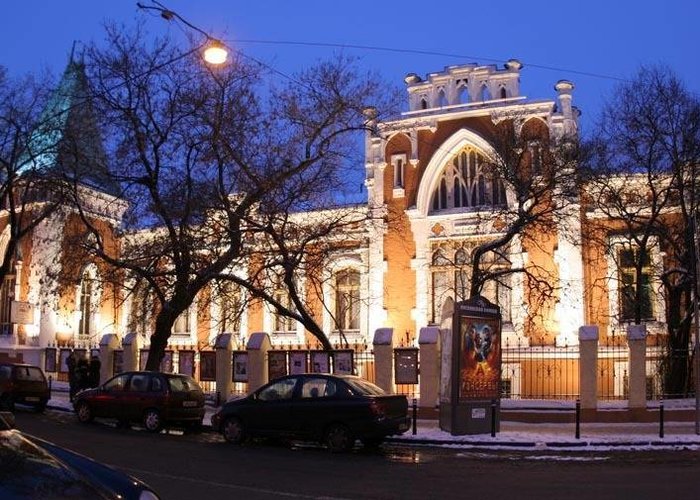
(94,371)
(71,364)
(82,374)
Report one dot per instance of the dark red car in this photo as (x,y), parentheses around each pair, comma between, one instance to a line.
(332,409)
(151,398)
(25,384)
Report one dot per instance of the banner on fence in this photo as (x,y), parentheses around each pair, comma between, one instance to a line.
(50,360)
(343,362)
(186,363)
(276,364)
(298,362)
(320,362)
(207,366)
(240,366)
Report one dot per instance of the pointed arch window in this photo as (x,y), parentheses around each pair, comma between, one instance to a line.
(485,94)
(467,182)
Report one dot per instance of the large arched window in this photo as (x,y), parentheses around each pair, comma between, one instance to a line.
(450,269)
(467,182)
(347,300)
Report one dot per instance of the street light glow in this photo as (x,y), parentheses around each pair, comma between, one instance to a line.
(215,53)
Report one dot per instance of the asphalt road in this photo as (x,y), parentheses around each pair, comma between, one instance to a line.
(194,466)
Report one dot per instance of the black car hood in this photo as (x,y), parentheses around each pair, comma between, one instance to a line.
(28,471)
(33,468)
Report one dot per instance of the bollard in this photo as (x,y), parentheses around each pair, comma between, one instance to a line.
(578,419)
(218,398)
(50,384)
(661,418)
(415,416)
(493,418)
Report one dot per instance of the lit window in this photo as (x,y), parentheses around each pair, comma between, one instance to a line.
(347,300)
(466,182)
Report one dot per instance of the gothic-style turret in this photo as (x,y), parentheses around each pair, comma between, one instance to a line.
(67,138)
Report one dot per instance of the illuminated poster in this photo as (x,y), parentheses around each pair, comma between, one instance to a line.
(276,364)
(240,366)
(297,362)
(480,358)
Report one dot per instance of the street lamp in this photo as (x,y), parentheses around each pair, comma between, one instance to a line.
(216,52)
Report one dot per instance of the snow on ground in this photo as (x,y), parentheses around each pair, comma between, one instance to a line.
(520,435)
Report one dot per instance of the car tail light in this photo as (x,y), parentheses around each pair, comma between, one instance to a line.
(377,409)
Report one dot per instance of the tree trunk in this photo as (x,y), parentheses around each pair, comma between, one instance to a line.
(159,340)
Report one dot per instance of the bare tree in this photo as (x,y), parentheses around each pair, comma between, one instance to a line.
(213,162)
(30,187)
(643,177)
(531,185)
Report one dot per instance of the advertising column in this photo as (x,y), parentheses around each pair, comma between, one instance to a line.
(476,369)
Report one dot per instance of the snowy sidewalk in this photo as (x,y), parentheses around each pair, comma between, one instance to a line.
(519,435)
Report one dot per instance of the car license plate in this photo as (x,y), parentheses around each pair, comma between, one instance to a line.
(32,399)
(189,404)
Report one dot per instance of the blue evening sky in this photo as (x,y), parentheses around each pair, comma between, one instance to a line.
(575,38)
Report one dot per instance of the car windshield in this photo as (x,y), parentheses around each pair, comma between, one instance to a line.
(27,471)
(361,387)
(182,384)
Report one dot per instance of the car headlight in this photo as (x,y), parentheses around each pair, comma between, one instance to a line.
(148,495)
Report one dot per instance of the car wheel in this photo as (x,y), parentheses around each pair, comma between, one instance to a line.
(84,413)
(152,420)
(339,438)
(7,402)
(372,443)
(233,430)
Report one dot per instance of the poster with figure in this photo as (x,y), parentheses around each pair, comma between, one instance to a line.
(320,362)
(480,358)
(276,364)
(186,363)
(207,366)
(343,362)
(297,362)
(50,360)
(240,366)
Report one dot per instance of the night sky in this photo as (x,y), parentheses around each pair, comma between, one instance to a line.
(577,39)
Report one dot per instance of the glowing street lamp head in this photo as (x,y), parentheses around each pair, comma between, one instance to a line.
(215,53)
